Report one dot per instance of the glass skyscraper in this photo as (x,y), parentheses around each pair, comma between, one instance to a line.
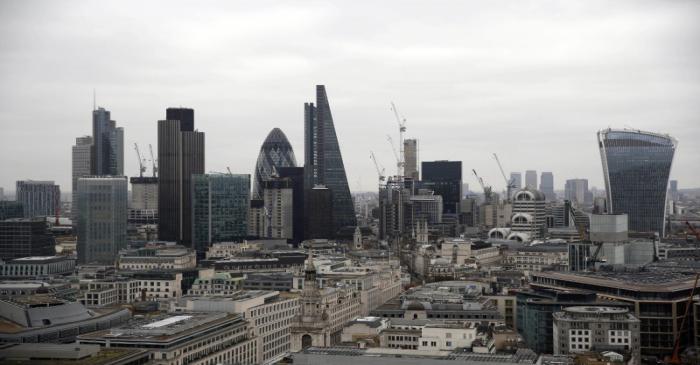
(219,209)
(636,168)
(275,152)
(107,157)
(445,179)
(323,161)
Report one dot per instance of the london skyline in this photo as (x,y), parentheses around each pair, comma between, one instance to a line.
(467,86)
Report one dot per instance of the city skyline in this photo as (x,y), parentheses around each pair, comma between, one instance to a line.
(463,98)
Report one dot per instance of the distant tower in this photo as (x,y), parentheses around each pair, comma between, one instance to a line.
(410,147)
(107,156)
(81,161)
(38,198)
(275,152)
(180,155)
(323,161)
(547,185)
(357,239)
(636,168)
(517,179)
(531,179)
(422,233)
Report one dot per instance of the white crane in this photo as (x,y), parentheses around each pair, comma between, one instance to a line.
(153,161)
(396,154)
(510,184)
(380,169)
(401,161)
(142,168)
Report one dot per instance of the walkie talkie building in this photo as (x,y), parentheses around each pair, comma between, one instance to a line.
(636,168)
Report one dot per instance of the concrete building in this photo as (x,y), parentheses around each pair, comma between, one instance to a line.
(144,193)
(278,281)
(158,285)
(37,267)
(220,283)
(529,214)
(189,338)
(25,237)
(608,228)
(81,160)
(585,329)
(40,318)
(256,218)
(576,191)
(269,314)
(655,295)
(69,354)
(410,148)
(157,257)
(531,179)
(102,218)
(278,198)
(219,209)
(324,312)
(538,257)
(180,155)
(38,198)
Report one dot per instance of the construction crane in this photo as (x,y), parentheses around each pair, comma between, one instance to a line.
(402,130)
(154,161)
(229,170)
(396,155)
(486,188)
(142,168)
(675,357)
(380,169)
(510,184)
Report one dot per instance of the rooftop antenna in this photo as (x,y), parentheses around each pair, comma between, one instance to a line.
(94,99)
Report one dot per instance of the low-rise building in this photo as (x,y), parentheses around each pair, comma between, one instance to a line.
(69,354)
(584,329)
(221,283)
(37,267)
(192,338)
(537,257)
(157,257)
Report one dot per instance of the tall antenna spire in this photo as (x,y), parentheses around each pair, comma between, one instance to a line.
(94,99)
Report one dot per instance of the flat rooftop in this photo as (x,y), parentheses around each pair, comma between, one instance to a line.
(657,280)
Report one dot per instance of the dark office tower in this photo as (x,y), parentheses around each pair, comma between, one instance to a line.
(25,237)
(318,207)
(107,156)
(323,162)
(38,198)
(180,155)
(636,168)
(547,185)
(296,175)
(445,179)
(275,152)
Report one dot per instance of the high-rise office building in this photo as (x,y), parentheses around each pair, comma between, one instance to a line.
(278,198)
(547,185)
(410,148)
(531,179)
(275,152)
(102,218)
(25,237)
(10,209)
(444,178)
(318,208)
(636,168)
(323,162)
(296,175)
(38,198)
(180,155)
(673,190)
(81,160)
(144,193)
(576,191)
(220,209)
(517,179)
(107,156)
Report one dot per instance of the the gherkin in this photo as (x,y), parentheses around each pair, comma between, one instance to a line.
(275,152)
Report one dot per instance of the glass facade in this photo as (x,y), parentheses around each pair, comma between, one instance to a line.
(323,160)
(275,152)
(636,167)
(107,154)
(445,179)
(220,209)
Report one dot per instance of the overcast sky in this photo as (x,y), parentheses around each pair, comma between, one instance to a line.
(530,80)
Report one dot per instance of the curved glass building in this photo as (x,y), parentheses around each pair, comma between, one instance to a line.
(636,168)
(275,152)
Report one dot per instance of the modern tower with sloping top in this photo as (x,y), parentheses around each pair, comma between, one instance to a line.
(636,168)
(323,161)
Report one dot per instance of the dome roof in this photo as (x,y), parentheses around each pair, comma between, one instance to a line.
(275,152)
(528,194)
